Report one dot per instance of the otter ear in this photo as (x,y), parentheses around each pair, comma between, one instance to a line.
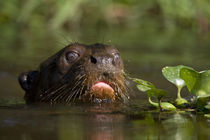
(27,79)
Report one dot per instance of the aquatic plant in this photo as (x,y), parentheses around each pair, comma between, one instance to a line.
(198,84)
(172,74)
(152,91)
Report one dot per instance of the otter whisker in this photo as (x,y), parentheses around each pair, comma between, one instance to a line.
(58,89)
(79,90)
(76,84)
(66,94)
(77,93)
(80,94)
(54,89)
(60,95)
(71,96)
(49,95)
(73,91)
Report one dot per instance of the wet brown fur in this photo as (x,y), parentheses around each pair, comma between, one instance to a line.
(57,81)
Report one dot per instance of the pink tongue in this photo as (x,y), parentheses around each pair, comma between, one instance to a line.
(102,90)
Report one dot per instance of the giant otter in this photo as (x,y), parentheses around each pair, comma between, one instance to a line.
(78,72)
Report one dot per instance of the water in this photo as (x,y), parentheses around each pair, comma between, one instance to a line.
(96,122)
(99,123)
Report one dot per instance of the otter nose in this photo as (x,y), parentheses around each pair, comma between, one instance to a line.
(93,60)
(101,60)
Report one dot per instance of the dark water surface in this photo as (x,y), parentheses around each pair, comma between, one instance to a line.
(97,122)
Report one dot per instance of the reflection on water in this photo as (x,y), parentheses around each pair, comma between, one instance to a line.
(149,35)
(99,123)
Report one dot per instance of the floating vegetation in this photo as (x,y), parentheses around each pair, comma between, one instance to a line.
(198,84)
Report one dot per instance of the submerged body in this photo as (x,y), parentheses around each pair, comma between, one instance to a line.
(78,72)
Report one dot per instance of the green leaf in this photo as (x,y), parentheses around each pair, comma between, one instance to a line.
(172,74)
(143,85)
(202,101)
(205,81)
(190,77)
(164,105)
(148,87)
(143,88)
(207,115)
(181,101)
(198,83)
(158,93)
(167,106)
(207,107)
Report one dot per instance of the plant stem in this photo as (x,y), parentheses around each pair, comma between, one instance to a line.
(159,103)
(179,92)
(153,103)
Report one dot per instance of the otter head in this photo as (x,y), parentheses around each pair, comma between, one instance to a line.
(89,73)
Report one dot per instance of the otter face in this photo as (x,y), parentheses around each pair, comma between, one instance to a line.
(89,73)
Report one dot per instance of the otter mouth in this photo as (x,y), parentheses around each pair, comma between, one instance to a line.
(87,87)
(103,90)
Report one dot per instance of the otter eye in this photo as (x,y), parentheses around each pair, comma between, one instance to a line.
(71,56)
